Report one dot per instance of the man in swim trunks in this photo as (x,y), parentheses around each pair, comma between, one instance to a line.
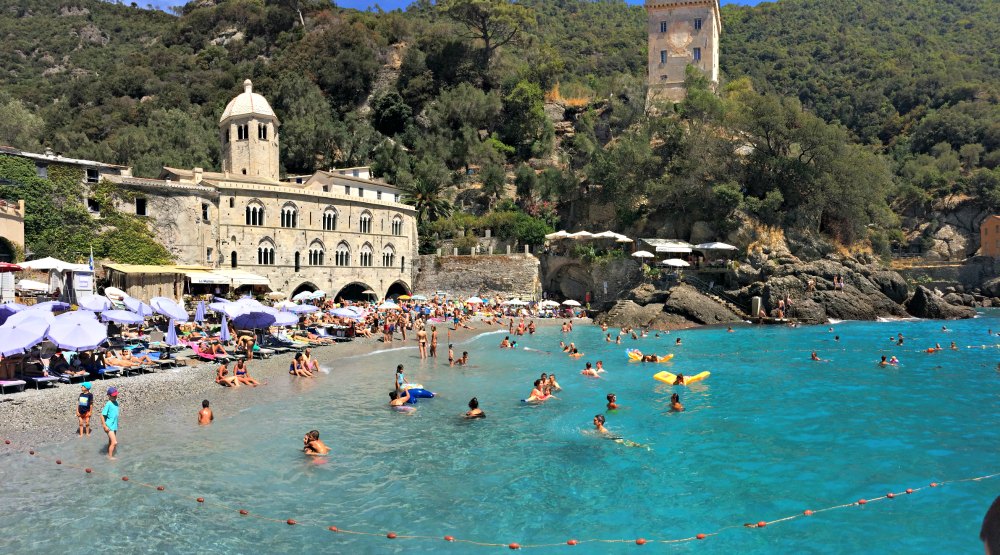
(675,403)
(883,362)
(589,371)
(422,342)
(84,408)
(600,367)
(205,416)
(312,445)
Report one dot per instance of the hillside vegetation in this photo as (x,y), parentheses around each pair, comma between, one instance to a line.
(851,107)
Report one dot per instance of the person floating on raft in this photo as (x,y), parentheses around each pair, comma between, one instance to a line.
(636,354)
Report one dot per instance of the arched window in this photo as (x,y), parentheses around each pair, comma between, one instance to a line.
(366,255)
(366,222)
(397,225)
(343,255)
(255,213)
(265,253)
(232,259)
(298,261)
(330,219)
(388,257)
(289,215)
(317,253)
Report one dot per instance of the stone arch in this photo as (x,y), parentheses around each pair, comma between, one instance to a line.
(365,221)
(289,215)
(255,212)
(571,281)
(304,286)
(397,288)
(366,255)
(388,256)
(8,250)
(354,291)
(330,215)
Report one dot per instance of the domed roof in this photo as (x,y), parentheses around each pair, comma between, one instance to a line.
(247,103)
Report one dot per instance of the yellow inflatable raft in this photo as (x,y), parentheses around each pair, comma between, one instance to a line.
(634,355)
(667,377)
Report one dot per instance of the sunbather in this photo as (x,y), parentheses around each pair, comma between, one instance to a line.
(213,348)
(129,356)
(222,377)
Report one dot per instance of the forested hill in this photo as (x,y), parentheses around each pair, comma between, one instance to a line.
(913,82)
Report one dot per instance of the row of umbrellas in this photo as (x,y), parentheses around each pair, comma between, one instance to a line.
(587,236)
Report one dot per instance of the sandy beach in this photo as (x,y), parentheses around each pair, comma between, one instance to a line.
(41,417)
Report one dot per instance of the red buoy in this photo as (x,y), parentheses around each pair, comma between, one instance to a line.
(640,541)
(862,501)
(7,441)
(124,478)
(391,535)
(571,542)
(700,536)
(909,490)
(243,512)
(514,546)
(807,512)
(761,524)
(160,488)
(58,461)
(934,484)
(200,500)
(290,522)
(449,538)
(890,495)
(333,529)
(88,470)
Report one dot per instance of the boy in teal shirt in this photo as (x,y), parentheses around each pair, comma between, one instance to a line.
(109,418)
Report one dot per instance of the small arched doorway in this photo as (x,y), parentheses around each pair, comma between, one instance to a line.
(396,289)
(355,292)
(232,259)
(298,262)
(8,252)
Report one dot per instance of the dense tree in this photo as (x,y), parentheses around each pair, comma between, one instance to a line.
(494,23)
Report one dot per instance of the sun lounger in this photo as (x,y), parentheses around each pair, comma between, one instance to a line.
(107,371)
(17,385)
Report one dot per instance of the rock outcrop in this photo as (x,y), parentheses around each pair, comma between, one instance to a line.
(679,307)
(688,302)
(926,304)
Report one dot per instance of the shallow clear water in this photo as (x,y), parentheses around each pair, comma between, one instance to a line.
(768,435)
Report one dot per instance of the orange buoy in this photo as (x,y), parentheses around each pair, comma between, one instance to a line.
(571,542)
(514,546)
(890,495)
(909,490)
(200,500)
(700,536)
(862,501)
(640,541)
(58,461)
(934,484)
(449,538)
(290,522)
(761,524)
(160,488)
(88,470)
(391,535)
(243,512)
(333,529)
(124,478)
(807,512)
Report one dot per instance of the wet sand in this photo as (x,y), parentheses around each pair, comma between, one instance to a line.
(48,415)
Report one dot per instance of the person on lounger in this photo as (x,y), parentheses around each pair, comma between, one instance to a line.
(112,360)
(212,348)
(138,361)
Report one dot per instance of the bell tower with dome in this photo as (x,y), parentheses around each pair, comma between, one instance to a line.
(248,130)
(681,33)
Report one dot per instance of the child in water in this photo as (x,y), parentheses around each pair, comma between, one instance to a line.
(612,402)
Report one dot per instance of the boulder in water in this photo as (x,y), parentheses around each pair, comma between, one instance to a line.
(925,304)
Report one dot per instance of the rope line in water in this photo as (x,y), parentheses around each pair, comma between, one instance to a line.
(571,542)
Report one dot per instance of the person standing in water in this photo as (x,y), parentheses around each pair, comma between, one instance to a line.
(474,410)
(400,379)
(675,403)
(434,342)
(312,445)
(109,420)
(205,416)
(612,401)
(84,408)
(422,342)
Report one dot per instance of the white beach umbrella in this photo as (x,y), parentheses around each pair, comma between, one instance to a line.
(561,234)
(715,247)
(276,295)
(388,306)
(548,304)
(32,285)
(643,254)
(675,262)
(581,235)
(115,294)
(570,302)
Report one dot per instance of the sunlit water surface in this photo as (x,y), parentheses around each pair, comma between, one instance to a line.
(769,434)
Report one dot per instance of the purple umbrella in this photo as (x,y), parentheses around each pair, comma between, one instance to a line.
(224,334)
(171,338)
(77,334)
(121,316)
(285,319)
(137,306)
(255,318)
(52,306)
(199,312)
(43,315)
(21,335)
(169,308)
(8,309)
(301,308)
(95,302)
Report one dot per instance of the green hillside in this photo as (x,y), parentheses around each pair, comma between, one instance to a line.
(908,89)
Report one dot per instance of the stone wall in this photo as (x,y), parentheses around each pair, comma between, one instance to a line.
(569,277)
(465,276)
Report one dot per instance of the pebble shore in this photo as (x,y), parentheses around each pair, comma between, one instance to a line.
(40,417)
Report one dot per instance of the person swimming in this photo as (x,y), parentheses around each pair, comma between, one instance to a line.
(675,403)
(883,362)
(538,393)
(599,421)
(312,445)
(612,401)
(553,385)
(678,342)
(589,371)
(894,360)
(474,410)
(399,398)
(815,357)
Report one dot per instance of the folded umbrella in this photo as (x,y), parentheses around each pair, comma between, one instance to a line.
(171,338)
(199,312)
(122,317)
(224,334)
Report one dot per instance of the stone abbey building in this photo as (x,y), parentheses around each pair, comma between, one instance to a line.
(681,33)
(338,231)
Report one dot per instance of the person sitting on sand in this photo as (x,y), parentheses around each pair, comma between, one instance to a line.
(308,361)
(589,371)
(243,375)
(312,444)
(400,398)
(612,401)
(205,416)
(474,410)
(298,368)
(222,377)
(675,403)
(538,393)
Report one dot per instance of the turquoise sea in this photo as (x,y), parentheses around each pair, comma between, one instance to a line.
(769,434)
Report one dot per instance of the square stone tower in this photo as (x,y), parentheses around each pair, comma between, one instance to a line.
(681,33)
(248,130)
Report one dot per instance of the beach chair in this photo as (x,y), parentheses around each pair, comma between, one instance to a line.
(17,385)
(35,373)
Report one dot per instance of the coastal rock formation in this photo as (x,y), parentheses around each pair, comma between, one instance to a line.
(925,304)
(679,307)
(690,303)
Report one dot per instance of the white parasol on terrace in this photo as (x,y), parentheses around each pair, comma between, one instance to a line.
(561,234)
(581,235)
(643,254)
(548,304)
(675,263)
(570,302)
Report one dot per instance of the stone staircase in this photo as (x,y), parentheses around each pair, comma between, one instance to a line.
(719,296)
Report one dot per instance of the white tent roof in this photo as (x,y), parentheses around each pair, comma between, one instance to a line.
(561,234)
(49,263)
(715,247)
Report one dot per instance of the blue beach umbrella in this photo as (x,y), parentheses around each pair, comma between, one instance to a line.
(77,334)
(169,308)
(285,319)
(345,313)
(224,335)
(255,319)
(137,306)
(122,317)
(171,338)
(301,308)
(21,335)
(199,312)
